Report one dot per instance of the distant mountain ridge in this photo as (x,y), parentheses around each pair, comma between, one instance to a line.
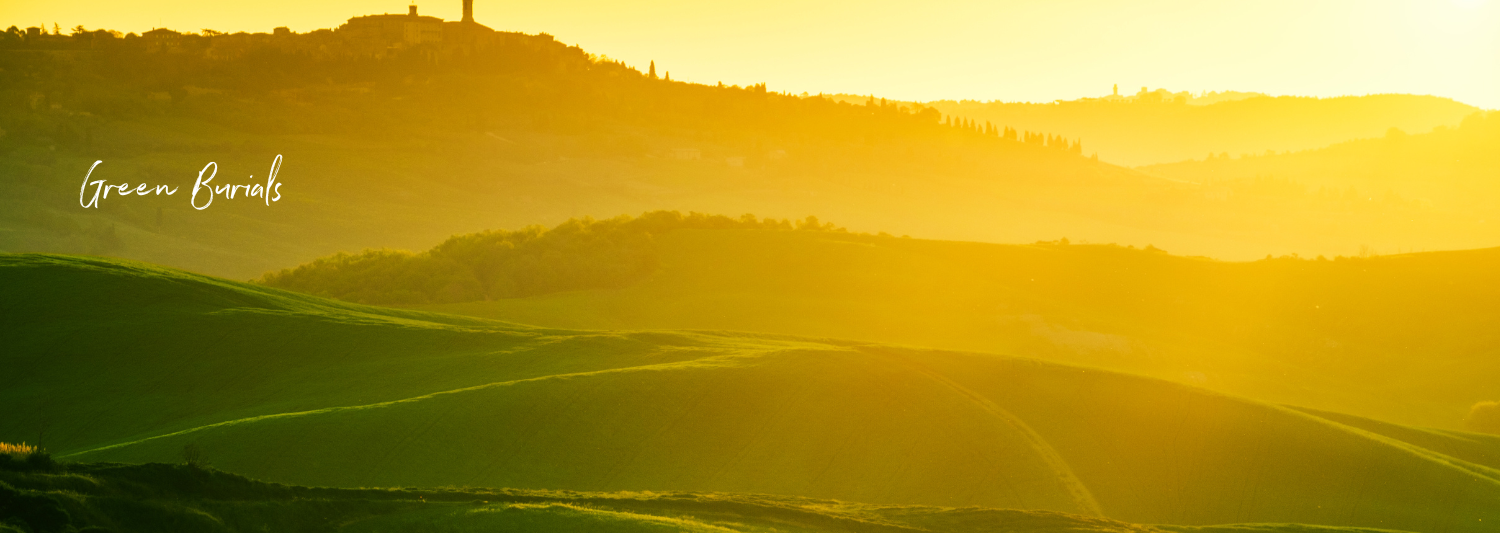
(1449,168)
(1158,127)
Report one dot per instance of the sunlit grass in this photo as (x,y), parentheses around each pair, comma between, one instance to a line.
(17,449)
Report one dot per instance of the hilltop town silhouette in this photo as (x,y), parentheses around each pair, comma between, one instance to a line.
(361,36)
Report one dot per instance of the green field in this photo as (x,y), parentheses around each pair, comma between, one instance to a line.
(122,361)
(1406,338)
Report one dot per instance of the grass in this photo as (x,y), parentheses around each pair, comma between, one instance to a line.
(1396,338)
(525,517)
(159,497)
(125,362)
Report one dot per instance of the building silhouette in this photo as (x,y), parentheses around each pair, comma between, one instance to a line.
(408,30)
(379,36)
(387,29)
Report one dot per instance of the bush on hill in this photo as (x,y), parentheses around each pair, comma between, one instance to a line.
(24,457)
(577,254)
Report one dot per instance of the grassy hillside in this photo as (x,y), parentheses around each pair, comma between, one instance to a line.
(518,406)
(1405,338)
(113,497)
(123,361)
(1157,129)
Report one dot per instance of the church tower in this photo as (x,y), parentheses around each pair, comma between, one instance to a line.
(466,32)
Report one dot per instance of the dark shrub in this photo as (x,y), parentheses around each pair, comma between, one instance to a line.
(41,461)
(30,510)
(32,462)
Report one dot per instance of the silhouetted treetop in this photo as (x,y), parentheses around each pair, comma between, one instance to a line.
(578,254)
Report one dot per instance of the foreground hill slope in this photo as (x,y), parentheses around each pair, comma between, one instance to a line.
(187,499)
(145,359)
(303,390)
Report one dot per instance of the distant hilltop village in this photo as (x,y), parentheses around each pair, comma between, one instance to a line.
(412,29)
(1163,96)
(364,36)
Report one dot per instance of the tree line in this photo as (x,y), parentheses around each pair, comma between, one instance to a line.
(56,88)
(578,254)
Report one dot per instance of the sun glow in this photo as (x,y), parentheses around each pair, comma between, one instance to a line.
(948,49)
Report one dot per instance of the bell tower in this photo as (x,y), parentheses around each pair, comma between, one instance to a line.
(468,10)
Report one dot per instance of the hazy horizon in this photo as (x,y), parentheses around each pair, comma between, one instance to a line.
(953,50)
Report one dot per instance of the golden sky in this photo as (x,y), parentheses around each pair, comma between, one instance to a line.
(1031,50)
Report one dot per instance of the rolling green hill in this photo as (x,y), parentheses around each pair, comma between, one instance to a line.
(121,361)
(1405,338)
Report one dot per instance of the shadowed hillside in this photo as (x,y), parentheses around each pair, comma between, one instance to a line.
(406,148)
(414,146)
(128,362)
